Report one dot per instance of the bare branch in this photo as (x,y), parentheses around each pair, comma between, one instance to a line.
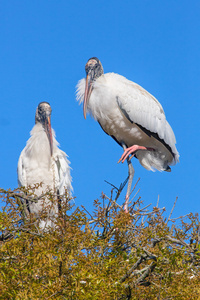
(172,210)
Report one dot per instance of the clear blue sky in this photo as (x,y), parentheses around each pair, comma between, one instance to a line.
(44,48)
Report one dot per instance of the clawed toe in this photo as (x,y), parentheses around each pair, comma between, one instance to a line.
(131,150)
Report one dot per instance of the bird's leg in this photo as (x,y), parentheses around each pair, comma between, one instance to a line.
(131,150)
(131,172)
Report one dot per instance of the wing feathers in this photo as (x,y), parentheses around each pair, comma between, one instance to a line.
(62,172)
(145,111)
(21,172)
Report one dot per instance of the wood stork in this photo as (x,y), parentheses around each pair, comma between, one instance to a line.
(42,161)
(131,116)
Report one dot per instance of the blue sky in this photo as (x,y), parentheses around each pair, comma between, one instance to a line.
(44,48)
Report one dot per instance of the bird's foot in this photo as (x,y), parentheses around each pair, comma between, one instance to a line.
(131,150)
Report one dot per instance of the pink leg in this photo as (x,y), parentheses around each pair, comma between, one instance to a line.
(131,172)
(127,151)
(131,150)
(126,204)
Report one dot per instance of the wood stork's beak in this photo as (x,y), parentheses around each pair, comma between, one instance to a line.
(48,130)
(88,90)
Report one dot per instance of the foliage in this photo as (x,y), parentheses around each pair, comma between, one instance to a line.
(106,254)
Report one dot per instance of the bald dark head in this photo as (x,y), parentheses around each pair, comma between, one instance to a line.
(43,110)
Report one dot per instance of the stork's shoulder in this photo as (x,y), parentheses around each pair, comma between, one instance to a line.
(62,170)
(130,90)
(142,108)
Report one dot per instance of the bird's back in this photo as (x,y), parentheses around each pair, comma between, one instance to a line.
(131,115)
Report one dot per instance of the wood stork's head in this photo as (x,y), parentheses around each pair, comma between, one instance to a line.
(43,116)
(94,70)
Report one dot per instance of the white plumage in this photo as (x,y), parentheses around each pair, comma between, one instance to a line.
(42,161)
(120,105)
(129,114)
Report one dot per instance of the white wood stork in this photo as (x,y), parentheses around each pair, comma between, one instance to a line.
(42,161)
(131,116)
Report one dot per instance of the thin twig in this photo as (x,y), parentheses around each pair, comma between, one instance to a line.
(172,210)
(87,212)
(181,217)
(158,201)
